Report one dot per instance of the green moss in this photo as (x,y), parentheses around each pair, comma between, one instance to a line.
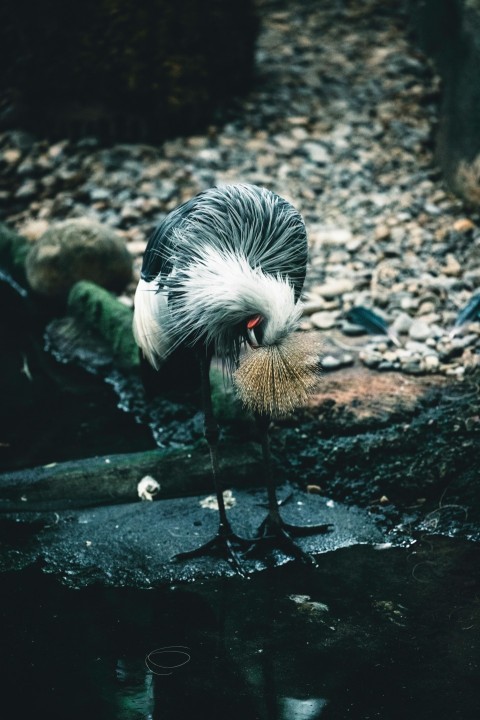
(101,312)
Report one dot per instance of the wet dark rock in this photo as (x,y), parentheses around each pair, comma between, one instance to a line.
(133,544)
(77,250)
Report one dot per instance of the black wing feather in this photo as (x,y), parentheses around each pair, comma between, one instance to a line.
(470,312)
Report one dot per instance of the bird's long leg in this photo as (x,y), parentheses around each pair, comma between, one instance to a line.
(274,530)
(226,543)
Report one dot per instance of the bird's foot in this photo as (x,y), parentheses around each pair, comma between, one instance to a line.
(226,545)
(275,533)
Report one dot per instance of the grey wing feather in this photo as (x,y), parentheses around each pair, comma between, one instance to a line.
(246,218)
(157,256)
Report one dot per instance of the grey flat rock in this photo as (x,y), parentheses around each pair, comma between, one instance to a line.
(133,544)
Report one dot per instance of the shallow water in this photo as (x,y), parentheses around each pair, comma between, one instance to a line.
(369,634)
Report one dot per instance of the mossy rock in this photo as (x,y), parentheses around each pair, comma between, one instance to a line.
(100,311)
(76,250)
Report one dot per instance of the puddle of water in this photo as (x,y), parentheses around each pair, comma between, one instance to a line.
(369,634)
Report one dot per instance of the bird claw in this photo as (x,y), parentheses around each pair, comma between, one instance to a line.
(275,533)
(226,545)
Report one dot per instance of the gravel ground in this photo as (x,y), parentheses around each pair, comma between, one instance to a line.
(340,121)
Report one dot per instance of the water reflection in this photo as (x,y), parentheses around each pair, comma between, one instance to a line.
(295,709)
(370,634)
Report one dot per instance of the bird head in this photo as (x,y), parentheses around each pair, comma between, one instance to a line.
(249,318)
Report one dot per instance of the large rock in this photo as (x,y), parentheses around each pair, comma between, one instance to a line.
(76,250)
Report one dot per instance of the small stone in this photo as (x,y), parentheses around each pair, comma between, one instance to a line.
(452,267)
(382,232)
(313,306)
(430,363)
(402,324)
(370,358)
(352,330)
(324,320)
(33,229)
(210,156)
(463,225)
(97,194)
(427,307)
(11,156)
(333,288)
(415,347)
(329,362)
(412,367)
(338,257)
(27,190)
(317,153)
(305,325)
(458,371)
(324,235)
(409,303)
(347,360)
(385,366)
(464,341)
(419,330)
(129,212)
(432,209)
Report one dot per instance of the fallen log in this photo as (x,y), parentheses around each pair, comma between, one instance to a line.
(114,478)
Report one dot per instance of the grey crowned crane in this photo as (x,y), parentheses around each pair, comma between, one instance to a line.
(222,274)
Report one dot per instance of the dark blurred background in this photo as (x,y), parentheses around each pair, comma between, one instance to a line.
(121,69)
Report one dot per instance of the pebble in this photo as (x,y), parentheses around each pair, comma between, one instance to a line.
(331,362)
(318,153)
(351,329)
(324,320)
(402,324)
(313,306)
(430,363)
(333,288)
(419,330)
(331,236)
(33,229)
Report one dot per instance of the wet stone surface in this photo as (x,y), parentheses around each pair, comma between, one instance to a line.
(132,545)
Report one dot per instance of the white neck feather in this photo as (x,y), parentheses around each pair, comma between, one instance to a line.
(220,289)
